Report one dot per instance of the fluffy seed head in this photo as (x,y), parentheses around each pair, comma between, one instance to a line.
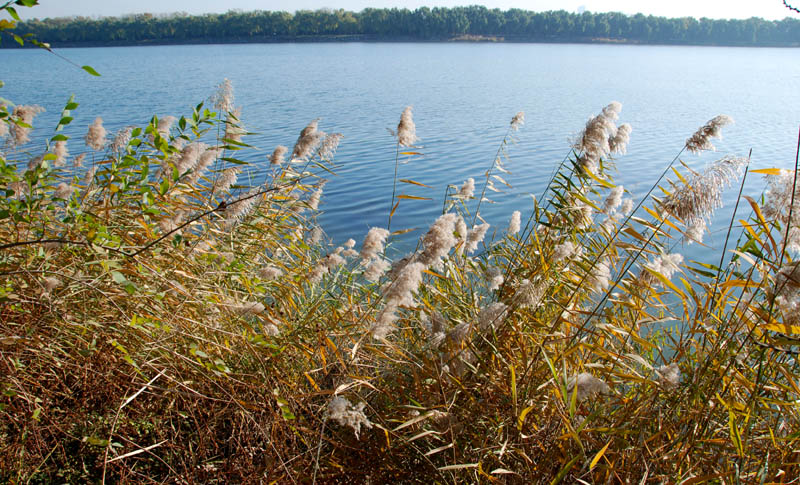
(492,315)
(439,239)
(373,243)
(238,210)
(121,139)
(701,140)
(695,231)
(309,139)
(327,149)
(618,143)
(666,264)
(703,193)
(313,200)
(495,277)
(593,142)
(61,153)
(164,125)
(346,414)
(627,207)
(614,199)
(530,294)
(406,129)
(63,191)
(475,237)
(278,155)
(585,385)
(50,283)
(189,157)
(468,189)
(598,278)
(233,126)
(96,136)
(77,162)
(375,269)
(669,376)
(565,251)
(246,308)
(517,121)
(269,273)
(203,162)
(223,98)
(225,180)
(514,223)
(24,114)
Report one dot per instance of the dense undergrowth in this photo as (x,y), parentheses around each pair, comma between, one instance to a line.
(166,317)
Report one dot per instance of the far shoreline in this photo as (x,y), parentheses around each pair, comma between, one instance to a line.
(367,38)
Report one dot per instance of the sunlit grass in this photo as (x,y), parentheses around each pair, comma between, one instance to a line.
(163,321)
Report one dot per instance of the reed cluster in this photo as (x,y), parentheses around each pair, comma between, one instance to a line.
(166,316)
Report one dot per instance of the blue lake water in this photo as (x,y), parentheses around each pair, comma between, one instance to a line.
(464,96)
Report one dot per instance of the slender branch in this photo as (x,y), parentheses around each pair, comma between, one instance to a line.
(394,186)
(59,241)
(222,206)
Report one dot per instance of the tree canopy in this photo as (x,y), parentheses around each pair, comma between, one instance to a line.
(421,24)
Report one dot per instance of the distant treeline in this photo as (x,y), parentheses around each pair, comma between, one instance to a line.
(424,23)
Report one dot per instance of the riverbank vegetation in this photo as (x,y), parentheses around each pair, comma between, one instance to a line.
(371,24)
(166,314)
(169,315)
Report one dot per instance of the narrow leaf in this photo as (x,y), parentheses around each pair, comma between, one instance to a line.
(90,70)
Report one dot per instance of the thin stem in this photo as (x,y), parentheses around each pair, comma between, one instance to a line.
(394,186)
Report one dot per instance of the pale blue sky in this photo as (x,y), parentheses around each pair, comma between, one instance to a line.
(768,9)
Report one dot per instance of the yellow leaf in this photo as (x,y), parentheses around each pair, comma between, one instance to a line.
(394,209)
(739,283)
(598,456)
(632,232)
(678,174)
(783,328)
(411,153)
(662,219)
(521,419)
(501,180)
(414,182)
(604,183)
(412,197)
(311,381)
(403,231)
(433,274)
(767,171)
(760,216)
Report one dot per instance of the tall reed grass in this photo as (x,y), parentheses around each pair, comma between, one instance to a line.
(167,317)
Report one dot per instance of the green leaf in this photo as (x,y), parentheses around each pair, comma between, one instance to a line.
(65,120)
(234,160)
(119,277)
(27,3)
(13,13)
(71,106)
(564,471)
(60,138)
(95,441)
(18,39)
(287,413)
(90,70)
